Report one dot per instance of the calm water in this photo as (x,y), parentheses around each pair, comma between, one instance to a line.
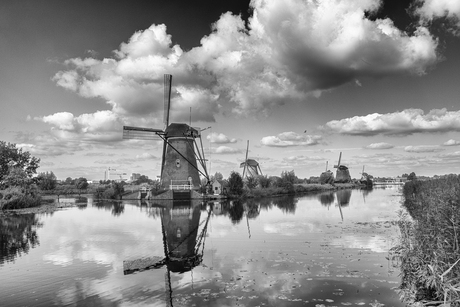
(320,250)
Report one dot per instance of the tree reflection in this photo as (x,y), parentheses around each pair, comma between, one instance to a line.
(116,207)
(18,234)
(327,198)
(236,211)
(287,204)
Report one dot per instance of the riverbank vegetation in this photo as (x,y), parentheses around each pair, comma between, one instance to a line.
(429,251)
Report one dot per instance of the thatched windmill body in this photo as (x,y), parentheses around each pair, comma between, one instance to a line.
(251,167)
(181,154)
(342,174)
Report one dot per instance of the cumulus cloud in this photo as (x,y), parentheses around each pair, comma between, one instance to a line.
(220,138)
(398,123)
(288,139)
(434,9)
(288,51)
(423,148)
(381,145)
(98,126)
(451,142)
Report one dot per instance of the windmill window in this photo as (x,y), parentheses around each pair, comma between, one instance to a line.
(177,163)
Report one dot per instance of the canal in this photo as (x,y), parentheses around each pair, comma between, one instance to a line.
(318,250)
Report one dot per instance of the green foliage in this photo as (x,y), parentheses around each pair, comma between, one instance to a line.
(251,182)
(288,179)
(81,183)
(235,184)
(411,176)
(16,177)
(15,197)
(47,181)
(14,157)
(264,181)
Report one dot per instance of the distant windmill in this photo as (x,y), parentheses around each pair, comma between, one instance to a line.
(181,153)
(251,166)
(342,174)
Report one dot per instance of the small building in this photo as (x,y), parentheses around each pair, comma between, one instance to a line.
(218,187)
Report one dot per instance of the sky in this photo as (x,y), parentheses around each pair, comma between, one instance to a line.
(300,80)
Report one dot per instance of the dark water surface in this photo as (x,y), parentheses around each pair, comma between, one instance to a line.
(321,250)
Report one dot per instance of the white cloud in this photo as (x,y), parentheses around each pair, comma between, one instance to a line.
(403,123)
(220,138)
(226,150)
(381,145)
(423,148)
(287,139)
(98,126)
(292,50)
(451,142)
(433,9)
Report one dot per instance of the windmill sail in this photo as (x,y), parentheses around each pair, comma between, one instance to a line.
(139,133)
(251,167)
(181,154)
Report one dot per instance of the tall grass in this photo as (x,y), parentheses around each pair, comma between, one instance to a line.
(429,251)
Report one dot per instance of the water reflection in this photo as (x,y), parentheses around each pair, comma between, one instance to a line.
(343,197)
(116,207)
(18,234)
(272,252)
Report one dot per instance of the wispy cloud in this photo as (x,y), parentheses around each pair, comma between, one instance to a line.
(406,122)
(423,148)
(381,145)
(220,138)
(288,139)
(451,142)
(226,150)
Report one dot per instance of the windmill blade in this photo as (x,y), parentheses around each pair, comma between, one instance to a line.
(140,133)
(131,266)
(340,158)
(167,98)
(246,160)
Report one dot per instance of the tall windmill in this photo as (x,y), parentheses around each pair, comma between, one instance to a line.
(181,154)
(342,174)
(251,166)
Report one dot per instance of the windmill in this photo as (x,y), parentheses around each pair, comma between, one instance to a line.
(181,154)
(342,174)
(251,165)
(183,243)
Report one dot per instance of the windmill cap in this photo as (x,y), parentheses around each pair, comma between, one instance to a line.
(250,162)
(181,130)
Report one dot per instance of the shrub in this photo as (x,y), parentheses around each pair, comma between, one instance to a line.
(17,198)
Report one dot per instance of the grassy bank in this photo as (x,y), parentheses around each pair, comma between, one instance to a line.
(429,251)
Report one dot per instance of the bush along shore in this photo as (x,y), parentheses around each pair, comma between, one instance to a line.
(428,252)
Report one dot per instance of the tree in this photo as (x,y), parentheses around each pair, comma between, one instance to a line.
(264,181)
(411,176)
(81,184)
(235,183)
(218,176)
(12,156)
(251,182)
(47,181)
(16,177)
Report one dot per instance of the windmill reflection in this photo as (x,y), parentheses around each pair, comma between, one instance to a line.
(183,241)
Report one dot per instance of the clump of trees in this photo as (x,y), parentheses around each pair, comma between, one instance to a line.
(18,188)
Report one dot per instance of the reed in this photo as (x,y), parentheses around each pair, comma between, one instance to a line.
(428,250)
